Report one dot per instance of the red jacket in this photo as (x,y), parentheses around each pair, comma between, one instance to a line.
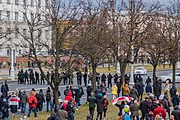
(161,111)
(69,97)
(32,100)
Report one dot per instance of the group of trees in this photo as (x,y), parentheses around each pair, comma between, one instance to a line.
(99,28)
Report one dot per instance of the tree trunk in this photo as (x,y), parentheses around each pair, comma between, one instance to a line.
(122,70)
(174,73)
(154,73)
(55,91)
(109,63)
(93,83)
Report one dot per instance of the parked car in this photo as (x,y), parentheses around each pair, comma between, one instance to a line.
(169,77)
(140,71)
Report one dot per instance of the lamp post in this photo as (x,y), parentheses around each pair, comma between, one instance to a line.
(132,65)
(12,57)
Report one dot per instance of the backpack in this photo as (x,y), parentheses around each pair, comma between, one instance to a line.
(48,96)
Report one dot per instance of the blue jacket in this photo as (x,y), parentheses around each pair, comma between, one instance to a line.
(127,117)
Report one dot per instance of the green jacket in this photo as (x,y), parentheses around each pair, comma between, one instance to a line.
(91,100)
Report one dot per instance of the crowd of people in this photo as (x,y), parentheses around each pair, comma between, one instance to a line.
(154,106)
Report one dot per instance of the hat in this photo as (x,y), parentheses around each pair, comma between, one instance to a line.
(33,89)
(4,100)
(126,110)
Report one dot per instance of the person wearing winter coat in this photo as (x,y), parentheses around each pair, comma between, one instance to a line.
(135,109)
(92,104)
(7,87)
(173,91)
(140,90)
(121,107)
(24,100)
(70,109)
(103,78)
(105,106)
(134,93)
(114,91)
(49,100)
(166,85)
(118,84)
(14,102)
(148,88)
(88,90)
(126,115)
(157,90)
(32,101)
(62,114)
(126,90)
(4,89)
(160,110)
(109,77)
(176,113)
(77,98)
(4,106)
(176,100)
(41,99)
(69,97)
(99,102)
(144,106)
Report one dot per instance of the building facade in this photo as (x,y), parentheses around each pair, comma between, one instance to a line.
(16,16)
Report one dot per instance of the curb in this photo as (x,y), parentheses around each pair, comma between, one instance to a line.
(8,81)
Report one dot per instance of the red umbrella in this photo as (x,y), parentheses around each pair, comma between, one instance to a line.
(122,98)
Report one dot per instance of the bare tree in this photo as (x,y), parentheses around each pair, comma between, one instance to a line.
(173,34)
(60,19)
(92,34)
(155,43)
(128,30)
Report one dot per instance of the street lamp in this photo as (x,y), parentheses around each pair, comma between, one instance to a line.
(132,64)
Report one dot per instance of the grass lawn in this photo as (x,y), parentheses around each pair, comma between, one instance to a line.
(112,113)
(79,115)
(148,67)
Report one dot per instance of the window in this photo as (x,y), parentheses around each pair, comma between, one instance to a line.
(46,34)
(24,17)
(24,2)
(8,1)
(19,51)
(32,2)
(8,15)
(16,2)
(39,3)
(16,16)
(24,31)
(8,52)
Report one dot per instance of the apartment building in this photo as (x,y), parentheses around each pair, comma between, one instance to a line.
(14,15)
